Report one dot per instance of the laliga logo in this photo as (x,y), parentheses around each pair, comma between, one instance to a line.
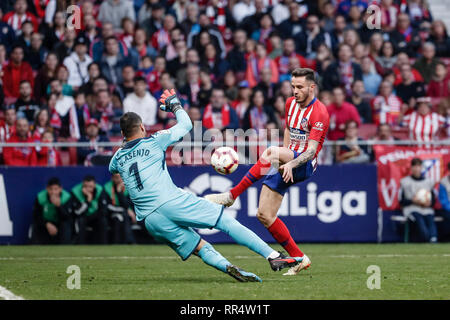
(215,184)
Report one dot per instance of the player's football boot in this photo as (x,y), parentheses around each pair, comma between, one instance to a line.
(306,262)
(283,261)
(224,198)
(241,275)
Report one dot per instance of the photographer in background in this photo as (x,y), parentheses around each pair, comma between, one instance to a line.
(415,208)
(52,215)
(118,207)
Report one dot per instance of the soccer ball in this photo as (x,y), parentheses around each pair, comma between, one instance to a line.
(224,160)
(423,195)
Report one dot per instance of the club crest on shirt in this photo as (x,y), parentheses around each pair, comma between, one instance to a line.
(304,124)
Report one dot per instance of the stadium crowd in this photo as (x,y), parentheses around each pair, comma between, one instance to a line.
(230,62)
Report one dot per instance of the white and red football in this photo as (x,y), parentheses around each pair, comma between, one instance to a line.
(225,160)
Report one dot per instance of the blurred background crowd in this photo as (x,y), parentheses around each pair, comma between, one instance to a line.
(230,62)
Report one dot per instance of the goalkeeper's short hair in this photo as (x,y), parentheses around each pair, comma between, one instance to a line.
(130,123)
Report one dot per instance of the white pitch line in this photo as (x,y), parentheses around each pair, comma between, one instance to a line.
(8,295)
(234,257)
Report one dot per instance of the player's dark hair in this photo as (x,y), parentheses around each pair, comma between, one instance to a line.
(416,161)
(88,178)
(305,72)
(54,181)
(130,123)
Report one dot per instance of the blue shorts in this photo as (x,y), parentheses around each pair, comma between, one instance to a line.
(274,179)
(173,222)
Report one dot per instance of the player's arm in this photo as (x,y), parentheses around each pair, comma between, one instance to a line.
(286,138)
(300,160)
(170,103)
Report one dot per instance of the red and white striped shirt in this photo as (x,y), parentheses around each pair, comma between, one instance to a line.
(16,22)
(306,123)
(423,128)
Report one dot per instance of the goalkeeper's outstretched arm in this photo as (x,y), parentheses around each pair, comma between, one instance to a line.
(170,103)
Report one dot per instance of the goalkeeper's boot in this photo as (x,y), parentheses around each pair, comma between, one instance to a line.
(225,198)
(283,261)
(241,275)
(305,264)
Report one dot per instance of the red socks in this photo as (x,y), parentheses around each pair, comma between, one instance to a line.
(281,233)
(256,172)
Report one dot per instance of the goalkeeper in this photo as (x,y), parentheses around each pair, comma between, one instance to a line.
(170,213)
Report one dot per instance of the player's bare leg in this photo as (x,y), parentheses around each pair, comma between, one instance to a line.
(269,204)
(275,156)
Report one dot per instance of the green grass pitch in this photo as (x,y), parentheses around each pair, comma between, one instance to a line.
(338,271)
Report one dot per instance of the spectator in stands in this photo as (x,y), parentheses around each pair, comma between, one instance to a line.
(155,21)
(241,104)
(65,107)
(114,11)
(422,213)
(191,20)
(14,72)
(91,31)
(345,6)
(427,63)
(218,114)
(323,59)
(215,65)
(266,85)
(439,37)
(293,25)
(439,84)
(54,33)
(311,37)
(236,56)
(119,210)
(113,61)
(77,64)
(386,106)
(405,37)
(402,58)
(386,60)
(48,156)
(52,215)
(64,48)
(82,109)
(7,127)
(93,137)
(259,114)
(337,34)
(93,73)
(358,100)
(342,72)
(20,156)
(41,124)
(37,52)
(384,133)
(103,111)
(25,104)
(127,85)
(355,17)
(409,90)
(229,84)
(45,74)
(88,212)
(161,38)
(142,103)
(19,15)
(206,86)
(340,112)
(288,52)
(423,124)
(97,48)
(140,45)
(351,151)
(8,35)
(327,20)
(418,11)
(256,63)
(389,13)
(24,40)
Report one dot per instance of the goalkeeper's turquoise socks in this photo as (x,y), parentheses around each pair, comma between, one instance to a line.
(210,256)
(243,236)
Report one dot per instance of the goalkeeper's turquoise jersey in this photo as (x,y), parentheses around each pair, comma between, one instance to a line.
(142,165)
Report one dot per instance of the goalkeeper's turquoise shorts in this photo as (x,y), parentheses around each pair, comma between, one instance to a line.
(173,222)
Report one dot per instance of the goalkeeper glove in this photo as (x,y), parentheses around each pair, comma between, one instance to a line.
(169,101)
